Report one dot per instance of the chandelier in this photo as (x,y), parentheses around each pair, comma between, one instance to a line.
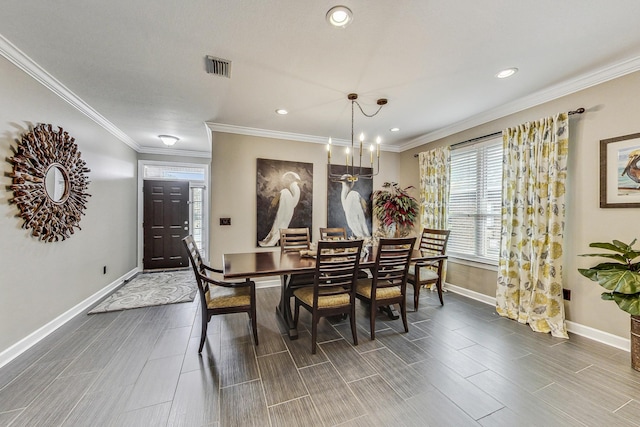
(353,172)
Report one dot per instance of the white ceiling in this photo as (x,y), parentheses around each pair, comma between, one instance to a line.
(140,64)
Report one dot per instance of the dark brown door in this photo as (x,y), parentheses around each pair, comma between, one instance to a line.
(166,222)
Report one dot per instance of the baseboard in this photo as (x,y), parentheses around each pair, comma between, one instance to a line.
(470,294)
(30,340)
(598,335)
(573,327)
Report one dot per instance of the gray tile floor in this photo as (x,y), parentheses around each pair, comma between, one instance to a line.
(459,365)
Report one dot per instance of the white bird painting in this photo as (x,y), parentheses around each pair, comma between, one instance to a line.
(285,201)
(354,206)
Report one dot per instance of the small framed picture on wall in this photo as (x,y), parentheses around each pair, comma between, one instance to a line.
(620,172)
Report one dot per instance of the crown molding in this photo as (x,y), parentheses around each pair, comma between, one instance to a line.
(265,133)
(568,87)
(29,66)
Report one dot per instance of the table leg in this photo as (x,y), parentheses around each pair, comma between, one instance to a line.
(390,310)
(283,309)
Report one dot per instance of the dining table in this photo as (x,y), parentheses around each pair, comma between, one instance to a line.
(249,265)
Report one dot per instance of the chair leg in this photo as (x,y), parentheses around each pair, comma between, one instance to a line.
(439,287)
(203,333)
(314,334)
(296,313)
(352,317)
(254,323)
(372,320)
(416,295)
(403,312)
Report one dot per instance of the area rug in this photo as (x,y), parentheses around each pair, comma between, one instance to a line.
(148,289)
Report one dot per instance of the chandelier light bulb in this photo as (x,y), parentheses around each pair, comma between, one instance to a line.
(339,16)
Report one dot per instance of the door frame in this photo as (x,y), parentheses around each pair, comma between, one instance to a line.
(205,201)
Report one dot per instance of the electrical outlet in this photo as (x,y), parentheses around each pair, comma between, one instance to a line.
(225,221)
(566,294)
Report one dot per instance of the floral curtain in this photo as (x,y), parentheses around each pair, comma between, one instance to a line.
(533,210)
(434,187)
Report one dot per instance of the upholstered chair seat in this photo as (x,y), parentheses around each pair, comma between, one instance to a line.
(426,273)
(334,299)
(363,288)
(220,297)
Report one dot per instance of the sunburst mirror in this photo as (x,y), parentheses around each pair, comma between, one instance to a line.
(49,183)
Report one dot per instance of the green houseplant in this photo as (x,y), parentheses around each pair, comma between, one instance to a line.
(395,208)
(621,278)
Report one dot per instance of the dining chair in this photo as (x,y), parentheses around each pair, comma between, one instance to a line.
(218,297)
(430,271)
(294,239)
(333,290)
(333,233)
(388,285)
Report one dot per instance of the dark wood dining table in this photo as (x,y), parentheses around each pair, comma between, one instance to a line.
(249,265)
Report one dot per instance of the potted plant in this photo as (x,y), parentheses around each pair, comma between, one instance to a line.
(621,279)
(395,208)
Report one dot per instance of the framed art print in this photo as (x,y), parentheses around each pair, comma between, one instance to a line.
(284,193)
(620,172)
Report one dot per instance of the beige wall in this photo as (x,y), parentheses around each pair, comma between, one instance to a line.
(611,111)
(40,281)
(233,186)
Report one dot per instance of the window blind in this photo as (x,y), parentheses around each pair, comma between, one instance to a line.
(475,201)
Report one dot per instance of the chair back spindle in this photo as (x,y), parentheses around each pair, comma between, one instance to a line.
(294,239)
(333,233)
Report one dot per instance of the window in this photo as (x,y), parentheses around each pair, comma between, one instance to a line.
(197,218)
(178,173)
(475,202)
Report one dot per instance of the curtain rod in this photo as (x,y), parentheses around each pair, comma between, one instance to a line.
(572,112)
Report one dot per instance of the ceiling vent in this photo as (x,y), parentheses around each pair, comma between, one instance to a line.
(218,66)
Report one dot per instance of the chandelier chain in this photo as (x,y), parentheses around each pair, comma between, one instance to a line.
(365,114)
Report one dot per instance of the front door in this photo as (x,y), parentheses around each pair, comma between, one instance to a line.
(166,222)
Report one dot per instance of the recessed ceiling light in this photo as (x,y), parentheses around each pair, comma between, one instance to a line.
(339,16)
(395,129)
(507,73)
(282,111)
(168,140)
